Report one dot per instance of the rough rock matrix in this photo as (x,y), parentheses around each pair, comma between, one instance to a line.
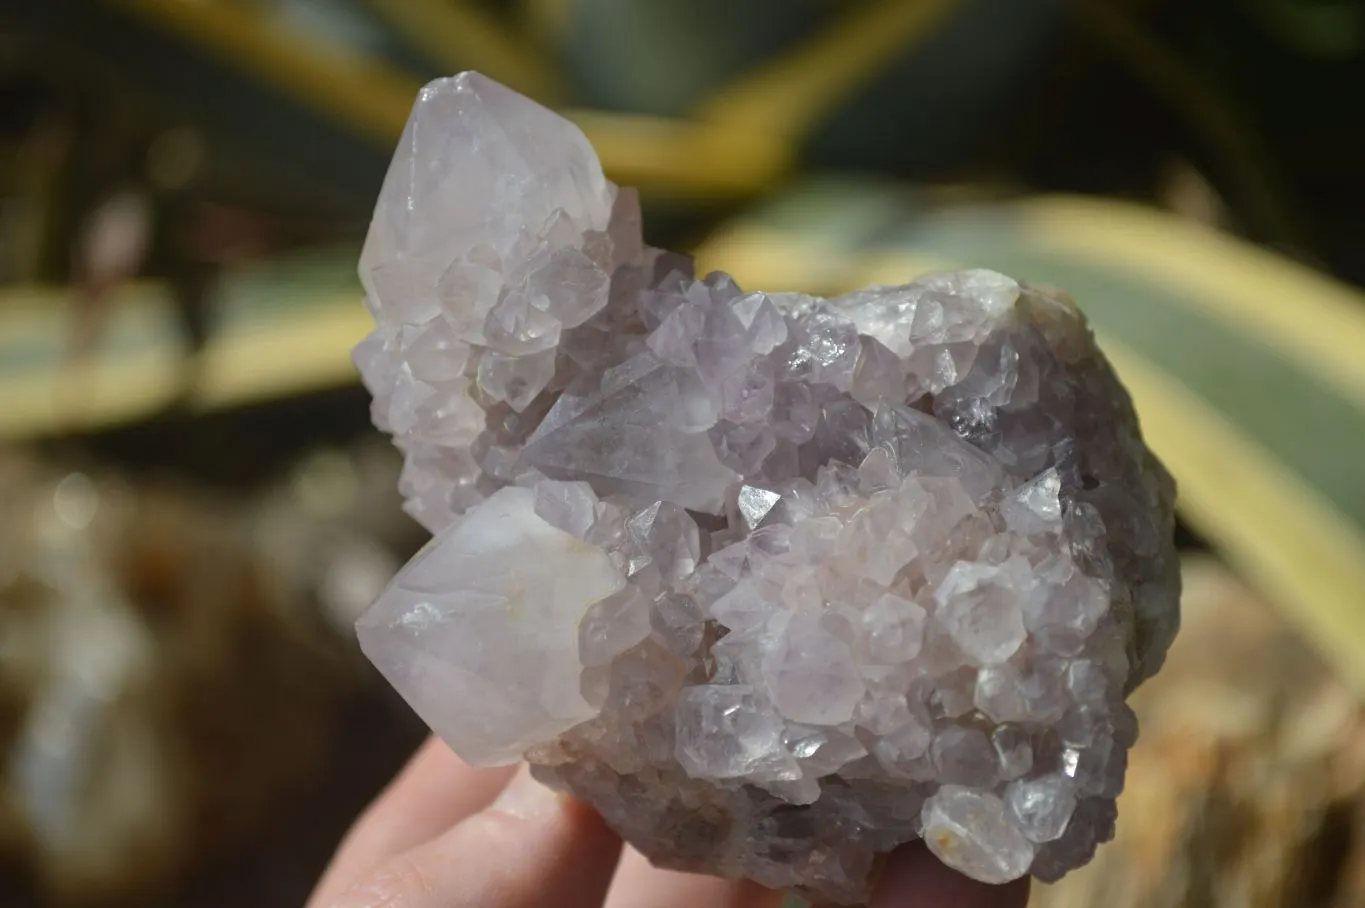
(776,583)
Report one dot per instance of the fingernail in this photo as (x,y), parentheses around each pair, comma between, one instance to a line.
(526,798)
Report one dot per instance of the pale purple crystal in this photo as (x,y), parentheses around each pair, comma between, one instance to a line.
(775,583)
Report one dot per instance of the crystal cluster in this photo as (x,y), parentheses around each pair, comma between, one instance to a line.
(774,582)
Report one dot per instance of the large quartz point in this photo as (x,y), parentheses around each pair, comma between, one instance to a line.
(775,583)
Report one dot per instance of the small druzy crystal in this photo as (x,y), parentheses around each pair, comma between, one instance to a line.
(774,582)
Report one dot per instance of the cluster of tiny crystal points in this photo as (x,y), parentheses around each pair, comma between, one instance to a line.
(776,583)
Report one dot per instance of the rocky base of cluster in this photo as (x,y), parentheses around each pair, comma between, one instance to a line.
(776,583)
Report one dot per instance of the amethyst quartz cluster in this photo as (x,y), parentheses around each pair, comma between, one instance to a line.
(775,583)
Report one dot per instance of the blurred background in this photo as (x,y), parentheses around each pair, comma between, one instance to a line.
(194,508)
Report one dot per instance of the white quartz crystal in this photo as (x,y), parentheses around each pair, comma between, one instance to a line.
(775,583)
(972,831)
(481,639)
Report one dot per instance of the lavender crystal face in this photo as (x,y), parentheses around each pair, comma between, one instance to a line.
(776,583)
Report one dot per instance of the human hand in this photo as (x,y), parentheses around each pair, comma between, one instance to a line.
(444,835)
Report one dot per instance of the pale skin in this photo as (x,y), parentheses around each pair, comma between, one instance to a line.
(444,835)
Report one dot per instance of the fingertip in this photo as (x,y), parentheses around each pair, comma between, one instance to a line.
(529,843)
(912,876)
(433,792)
